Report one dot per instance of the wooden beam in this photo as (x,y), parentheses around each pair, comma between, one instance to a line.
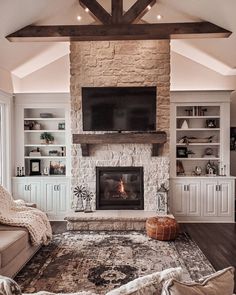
(96,11)
(137,11)
(117,11)
(119,32)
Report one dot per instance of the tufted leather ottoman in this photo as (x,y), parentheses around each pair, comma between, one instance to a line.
(162,228)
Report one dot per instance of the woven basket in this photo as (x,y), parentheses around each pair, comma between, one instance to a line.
(162,228)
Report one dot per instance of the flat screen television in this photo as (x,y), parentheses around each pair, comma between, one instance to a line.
(119,108)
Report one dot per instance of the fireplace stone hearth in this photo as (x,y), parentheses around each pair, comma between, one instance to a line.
(119,188)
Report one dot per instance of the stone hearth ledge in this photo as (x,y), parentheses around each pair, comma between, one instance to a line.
(110,220)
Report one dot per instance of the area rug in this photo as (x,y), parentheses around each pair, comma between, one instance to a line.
(101,261)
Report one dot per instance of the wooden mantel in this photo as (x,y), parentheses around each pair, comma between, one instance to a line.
(157,139)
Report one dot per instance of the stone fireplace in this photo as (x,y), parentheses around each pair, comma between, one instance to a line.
(121,64)
(119,188)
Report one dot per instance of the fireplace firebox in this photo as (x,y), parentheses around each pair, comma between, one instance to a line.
(119,188)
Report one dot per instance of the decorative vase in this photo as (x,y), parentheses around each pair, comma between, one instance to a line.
(184,125)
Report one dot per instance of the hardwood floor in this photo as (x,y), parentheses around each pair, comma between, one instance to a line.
(216,240)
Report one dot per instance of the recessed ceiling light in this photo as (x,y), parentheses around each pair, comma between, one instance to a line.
(149,7)
(159,16)
(79,18)
(86,9)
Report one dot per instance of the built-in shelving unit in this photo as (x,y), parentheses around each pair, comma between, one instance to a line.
(34,115)
(199,139)
(38,121)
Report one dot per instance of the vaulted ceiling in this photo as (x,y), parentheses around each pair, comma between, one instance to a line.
(25,58)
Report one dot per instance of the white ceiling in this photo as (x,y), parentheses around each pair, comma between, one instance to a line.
(25,58)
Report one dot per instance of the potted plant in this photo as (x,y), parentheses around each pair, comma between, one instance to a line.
(46,138)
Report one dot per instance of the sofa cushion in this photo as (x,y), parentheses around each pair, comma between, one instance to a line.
(11,244)
(219,283)
(4,227)
(149,284)
(9,286)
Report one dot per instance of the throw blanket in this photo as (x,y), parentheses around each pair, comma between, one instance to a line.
(17,214)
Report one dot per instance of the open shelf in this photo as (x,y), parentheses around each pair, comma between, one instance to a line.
(44,119)
(197,117)
(197,159)
(199,144)
(45,157)
(44,145)
(198,129)
(43,130)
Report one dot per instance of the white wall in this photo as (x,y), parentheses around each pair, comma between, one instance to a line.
(189,75)
(8,143)
(5,81)
(52,78)
(185,75)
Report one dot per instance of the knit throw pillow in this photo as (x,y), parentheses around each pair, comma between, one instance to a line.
(150,284)
(219,283)
(9,287)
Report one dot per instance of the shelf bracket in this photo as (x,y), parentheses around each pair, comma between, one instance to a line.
(85,149)
(157,149)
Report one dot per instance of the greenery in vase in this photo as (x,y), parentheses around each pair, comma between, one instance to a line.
(48,137)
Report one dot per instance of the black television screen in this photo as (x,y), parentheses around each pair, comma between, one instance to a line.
(119,108)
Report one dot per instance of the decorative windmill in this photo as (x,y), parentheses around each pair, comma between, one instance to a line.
(80,193)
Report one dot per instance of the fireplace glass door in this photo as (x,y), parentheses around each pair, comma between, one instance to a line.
(119,188)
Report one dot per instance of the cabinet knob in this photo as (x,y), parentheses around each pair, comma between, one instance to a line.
(26,187)
(55,187)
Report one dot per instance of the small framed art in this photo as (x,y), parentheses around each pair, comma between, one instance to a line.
(182,152)
(35,167)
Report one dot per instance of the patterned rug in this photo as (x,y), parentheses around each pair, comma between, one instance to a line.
(101,261)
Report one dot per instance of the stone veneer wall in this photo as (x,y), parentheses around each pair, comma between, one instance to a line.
(121,63)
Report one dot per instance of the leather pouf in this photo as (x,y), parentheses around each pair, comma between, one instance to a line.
(162,228)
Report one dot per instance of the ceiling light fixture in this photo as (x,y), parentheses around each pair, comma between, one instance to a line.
(149,7)
(159,16)
(79,18)
(86,9)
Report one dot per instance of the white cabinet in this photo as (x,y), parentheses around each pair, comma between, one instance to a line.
(51,194)
(29,191)
(185,199)
(202,199)
(55,198)
(217,197)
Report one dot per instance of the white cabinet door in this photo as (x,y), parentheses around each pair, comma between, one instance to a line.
(209,198)
(225,204)
(178,198)
(29,191)
(62,200)
(185,198)
(48,203)
(55,200)
(20,190)
(193,199)
(35,195)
